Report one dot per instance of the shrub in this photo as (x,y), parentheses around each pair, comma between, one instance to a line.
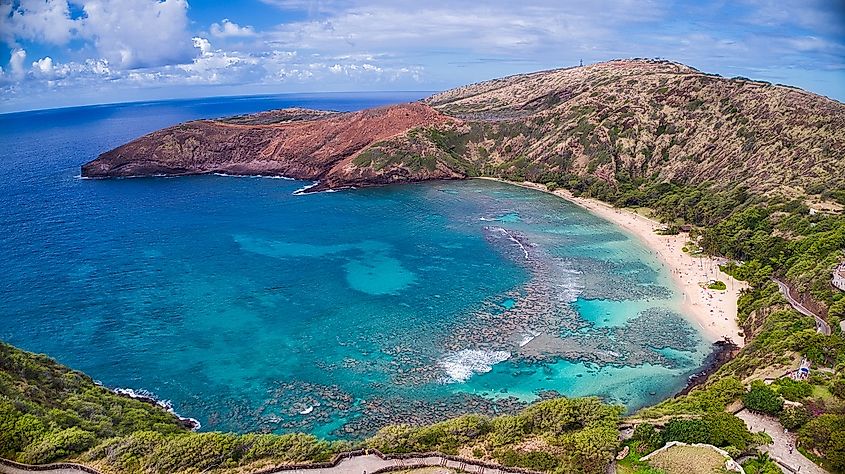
(826,434)
(793,390)
(718,429)
(648,436)
(686,431)
(761,398)
(507,430)
(794,417)
(57,445)
(535,460)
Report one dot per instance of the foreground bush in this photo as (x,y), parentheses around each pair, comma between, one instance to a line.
(761,398)
(572,435)
(718,429)
(825,437)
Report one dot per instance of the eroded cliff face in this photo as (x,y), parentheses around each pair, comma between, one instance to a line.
(296,143)
(617,120)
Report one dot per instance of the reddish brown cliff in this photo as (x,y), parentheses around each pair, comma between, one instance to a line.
(296,143)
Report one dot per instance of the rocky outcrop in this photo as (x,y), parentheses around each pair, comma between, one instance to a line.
(309,145)
(618,120)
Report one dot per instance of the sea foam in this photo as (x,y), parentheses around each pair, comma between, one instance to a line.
(461,365)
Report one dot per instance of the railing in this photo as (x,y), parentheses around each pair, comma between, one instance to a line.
(48,467)
(336,460)
(403,456)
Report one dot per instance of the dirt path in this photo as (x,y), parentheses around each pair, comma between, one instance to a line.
(780,449)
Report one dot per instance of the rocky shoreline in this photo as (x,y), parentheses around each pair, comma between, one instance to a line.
(723,352)
(144,396)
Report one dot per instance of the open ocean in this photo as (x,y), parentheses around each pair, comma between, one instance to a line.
(251,308)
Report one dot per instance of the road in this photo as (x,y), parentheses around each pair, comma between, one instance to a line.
(821,324)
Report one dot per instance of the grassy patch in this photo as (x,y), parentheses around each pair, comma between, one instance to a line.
(688,460)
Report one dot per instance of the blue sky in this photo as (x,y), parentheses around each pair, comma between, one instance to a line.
(62,53)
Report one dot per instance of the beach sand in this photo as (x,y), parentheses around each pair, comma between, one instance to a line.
(714,312)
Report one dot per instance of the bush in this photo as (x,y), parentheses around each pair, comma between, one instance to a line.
(58,445)
(826,434)
(726,429)
(762,464)
(507,430)
(718,285)
(648,437)
(686,430)
(794,417)
(535,460)
(710,398)
(718,429)
(761,398)
(793,390)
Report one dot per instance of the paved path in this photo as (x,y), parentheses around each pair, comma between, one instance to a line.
(821,324)
(13,470)
(371,463)
(779,449)
(361,464)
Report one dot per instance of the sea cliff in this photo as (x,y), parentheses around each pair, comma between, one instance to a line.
(612,122)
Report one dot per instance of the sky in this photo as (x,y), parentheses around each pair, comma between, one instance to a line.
(58,53)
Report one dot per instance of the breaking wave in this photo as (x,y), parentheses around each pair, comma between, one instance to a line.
(461,365)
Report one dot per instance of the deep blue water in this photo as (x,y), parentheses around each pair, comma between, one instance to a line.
(251,308)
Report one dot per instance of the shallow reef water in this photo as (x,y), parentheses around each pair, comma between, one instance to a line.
(250,307)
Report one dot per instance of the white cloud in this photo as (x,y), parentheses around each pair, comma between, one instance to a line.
(43,66)
(36,20)
(228,29)
(16,63)
(127,33)
(139,33)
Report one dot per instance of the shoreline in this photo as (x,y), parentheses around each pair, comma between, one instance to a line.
(713,312)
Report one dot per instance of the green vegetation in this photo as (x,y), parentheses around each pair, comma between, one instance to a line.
(825,436)
(761,398)
(718,285)
(49,412)
(719,429)
(762,464)
(688,460)
(572,435)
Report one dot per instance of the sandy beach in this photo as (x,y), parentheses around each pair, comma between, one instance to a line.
(712,311)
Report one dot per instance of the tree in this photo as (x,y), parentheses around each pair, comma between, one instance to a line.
(794,417)
(648,437)
(826,434)
(761,398)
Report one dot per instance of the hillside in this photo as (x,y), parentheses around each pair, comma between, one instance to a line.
(615,121)
(296,143)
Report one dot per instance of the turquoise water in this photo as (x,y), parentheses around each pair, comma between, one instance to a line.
(251,308)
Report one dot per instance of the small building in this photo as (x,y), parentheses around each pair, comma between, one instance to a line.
(839,277)
(802,372)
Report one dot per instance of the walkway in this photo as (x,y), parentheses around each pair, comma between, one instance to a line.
(371,464)
(345,463)
(779,449)
(9,467)
(821,324)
